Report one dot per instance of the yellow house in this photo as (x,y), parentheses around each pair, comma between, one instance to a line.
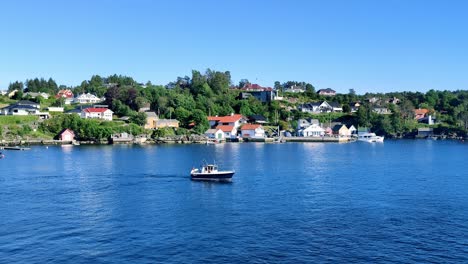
(151,118)
(341,130)
(153,121)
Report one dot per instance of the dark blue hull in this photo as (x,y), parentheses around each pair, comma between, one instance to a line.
(212,176)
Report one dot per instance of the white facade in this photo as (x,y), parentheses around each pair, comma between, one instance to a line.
(215,134)
(313,130)
(258,132)
(322,107)
(87,99)
(98,114)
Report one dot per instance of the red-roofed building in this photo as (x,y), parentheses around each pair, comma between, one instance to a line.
(420,113)
(67,94)
(229,131)
(99,113)
(252,131)
(255,87)
(232,120)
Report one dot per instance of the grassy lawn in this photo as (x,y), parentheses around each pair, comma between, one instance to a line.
(14,120)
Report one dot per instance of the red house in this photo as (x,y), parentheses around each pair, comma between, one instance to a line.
(67,135)
(65,93)
(420,113)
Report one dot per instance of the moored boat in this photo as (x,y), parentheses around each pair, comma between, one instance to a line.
(210,172)
(370,137)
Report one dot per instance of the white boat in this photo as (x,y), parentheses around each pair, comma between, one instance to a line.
(210,172)
(370,137)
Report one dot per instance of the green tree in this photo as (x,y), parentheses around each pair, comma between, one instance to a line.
(200,120)
(16,86)
(138,118)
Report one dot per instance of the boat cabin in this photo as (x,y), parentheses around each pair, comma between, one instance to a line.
(209,168)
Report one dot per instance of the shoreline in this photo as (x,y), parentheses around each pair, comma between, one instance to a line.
(162,141)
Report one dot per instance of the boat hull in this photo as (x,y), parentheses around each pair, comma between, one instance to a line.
(218,176)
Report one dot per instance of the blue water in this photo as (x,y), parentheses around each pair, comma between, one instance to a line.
(399,202)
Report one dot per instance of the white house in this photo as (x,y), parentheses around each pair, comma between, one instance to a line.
(99,113)
(313,130)
(214,133)
(229,131)
(87,99)
(316,107)
(234,120)
(252,131)
(352,130)
(24,107)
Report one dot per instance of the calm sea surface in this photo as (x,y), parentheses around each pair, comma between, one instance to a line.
(400,202)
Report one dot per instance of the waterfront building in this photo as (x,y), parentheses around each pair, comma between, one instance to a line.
(314,130)
(234,120)
(151,118)
(66,135)
(252,131)
(229,131)
(341,130)
(215,133)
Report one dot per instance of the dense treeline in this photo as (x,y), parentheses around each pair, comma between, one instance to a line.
(192,99)
(87,129)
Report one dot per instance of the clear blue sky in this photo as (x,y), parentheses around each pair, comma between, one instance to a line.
(371,46)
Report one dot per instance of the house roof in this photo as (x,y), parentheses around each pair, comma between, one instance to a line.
(151,114)
(225,119)
(250,126)
(67,130)
(225,128)
(337,127)
(95,110)
(257,118)
(328,90)
(17,106)
(422,111)
(255,87)
(211,131)
(335,104)
(67,93)
(26,102)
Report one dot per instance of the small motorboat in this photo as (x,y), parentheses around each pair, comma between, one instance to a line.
(370,137)
(210,172)
(2,155)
